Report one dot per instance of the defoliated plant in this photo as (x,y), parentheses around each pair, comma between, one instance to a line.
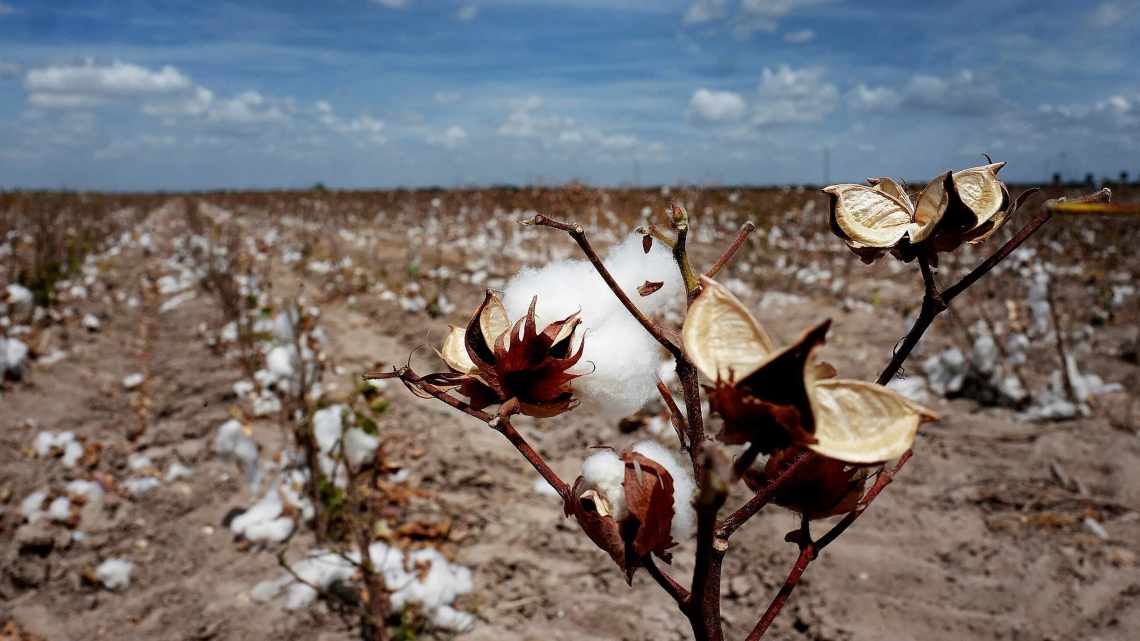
(827,440)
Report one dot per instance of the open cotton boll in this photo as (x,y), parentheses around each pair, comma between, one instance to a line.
(620,359)
(32,507)
(359,446)
(631,267)
(263,521)
(684,523)
(231,440)
(115,574)
(60,509)
(320,569)
(604,472)
(619,367)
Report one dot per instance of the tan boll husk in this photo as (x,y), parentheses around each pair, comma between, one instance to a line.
(760,391)
(956,207)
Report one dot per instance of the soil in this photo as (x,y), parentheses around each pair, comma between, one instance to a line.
(985,535)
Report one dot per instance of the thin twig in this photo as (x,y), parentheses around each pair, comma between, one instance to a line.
(741,236)
(675,417)
(738,518)
(499,422)
(667,583)
(579,235)
(807,553)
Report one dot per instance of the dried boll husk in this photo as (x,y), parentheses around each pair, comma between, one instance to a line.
(956,207)
(819,488)
(496,362)
(634,525)
(779,398)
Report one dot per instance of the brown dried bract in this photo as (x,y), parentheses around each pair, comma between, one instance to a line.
(494,362)
(645,526)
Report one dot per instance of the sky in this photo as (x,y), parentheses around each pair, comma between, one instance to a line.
(146,95)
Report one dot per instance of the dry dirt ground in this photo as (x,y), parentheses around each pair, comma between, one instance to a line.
(981,537)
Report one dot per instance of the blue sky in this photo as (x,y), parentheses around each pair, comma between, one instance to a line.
(129,94)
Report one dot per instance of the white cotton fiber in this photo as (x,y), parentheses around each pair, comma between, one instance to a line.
(231,440)
(359,446)
(32,507)
(620,358)
(60,509)
(264,520)
(684,523)
(115,574)
(619,366)
(604,472)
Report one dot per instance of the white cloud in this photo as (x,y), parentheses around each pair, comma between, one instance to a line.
(525,121)
(716,106)
(864,98)
(765,15)
(963,93)
(788,95)
(799,37)
(364,128)
(117,79)
(246,107)
(1107,15)
(467,13)
(120,148)
(450,138)
(703,11)
(391,4)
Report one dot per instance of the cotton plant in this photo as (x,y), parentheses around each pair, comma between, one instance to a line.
(792,431)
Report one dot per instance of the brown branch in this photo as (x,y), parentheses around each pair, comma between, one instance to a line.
(738,518)
(500,422)
(703,606)
(741,236)
(807,553)
(675,416)
(934,303)
(579,235)
(667,583)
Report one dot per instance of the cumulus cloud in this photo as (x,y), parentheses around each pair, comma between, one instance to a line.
(705,11)
(799,37)
(788,95)
(391,4)
(525,120)
(1107,15)
(363,128)
(766,15)
(89,83)
(716,106)
(467,13)
(964,93)
(865,98)
(450,138)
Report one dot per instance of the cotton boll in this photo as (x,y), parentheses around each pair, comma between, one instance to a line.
(604,472)
(72,452)
(231,440)
(320,569)
(619,366)
(140,485)
(60,509)
(359,446)
(13,357)
(32,507)
(448,618)
(115,574)
(178,471)
(631,267)
(281,361)
(684,523)
(328,425)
